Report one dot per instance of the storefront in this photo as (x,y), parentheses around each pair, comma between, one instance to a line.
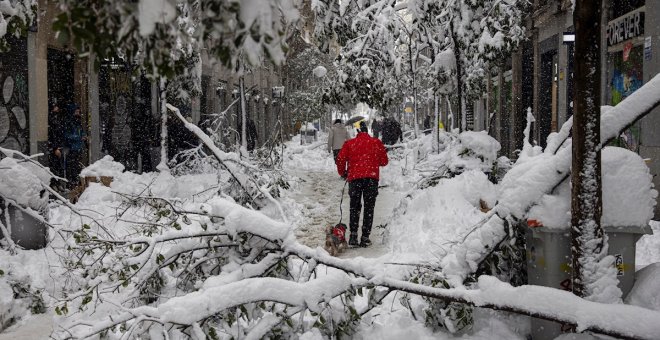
(625,61)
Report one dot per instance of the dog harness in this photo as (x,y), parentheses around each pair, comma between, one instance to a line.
(339,233)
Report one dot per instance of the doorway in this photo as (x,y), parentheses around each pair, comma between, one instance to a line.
(60,77)
(547,95)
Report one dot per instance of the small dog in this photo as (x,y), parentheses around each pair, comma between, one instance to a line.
(335,239)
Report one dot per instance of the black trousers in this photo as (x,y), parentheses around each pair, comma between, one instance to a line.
(73,167)
(335,153)
(358,190)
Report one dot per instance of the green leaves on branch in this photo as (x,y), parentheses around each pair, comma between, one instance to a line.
(162,44)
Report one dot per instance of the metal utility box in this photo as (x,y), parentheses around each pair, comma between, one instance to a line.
(308,136)
(622,241)
(26,231)
(549,264)
(549,257)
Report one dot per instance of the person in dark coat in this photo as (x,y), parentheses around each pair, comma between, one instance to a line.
(56,119)
(74,143)
(359,161)
(375,128)
(251,135)
(391,131)
(427,125)
(142,126)
(179,138)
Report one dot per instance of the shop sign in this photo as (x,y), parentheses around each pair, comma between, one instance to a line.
(625,27)
(408,108)
(626,50)
(647,49)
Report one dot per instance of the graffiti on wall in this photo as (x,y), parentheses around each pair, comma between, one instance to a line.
(125,113)
(14,130)
(115,86)
(626,78)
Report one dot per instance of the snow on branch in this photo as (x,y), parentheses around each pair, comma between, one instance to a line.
(224,158)
(15,14)
(622,321)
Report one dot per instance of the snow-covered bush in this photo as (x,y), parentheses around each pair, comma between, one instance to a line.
(23,186)
(477,150)
(15,18)
(23,183)
(17,295)
(250,180)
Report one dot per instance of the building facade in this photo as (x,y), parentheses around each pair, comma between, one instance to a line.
(541,75)
(121,108)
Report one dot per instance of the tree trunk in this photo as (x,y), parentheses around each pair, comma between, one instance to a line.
(241,84)
(162,166)
(588,239)
(436,128)
(459,75)
(413,72)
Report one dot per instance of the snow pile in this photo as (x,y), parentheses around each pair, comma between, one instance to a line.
(628,194)
(24,284)
(481,144)
(23,183)
(648,247)
(553,211)
(436,216)
(477,150)
(645,291)
(126,184)
(312,157)
(105,166)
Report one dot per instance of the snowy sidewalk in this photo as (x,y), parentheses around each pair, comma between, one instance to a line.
(319,193)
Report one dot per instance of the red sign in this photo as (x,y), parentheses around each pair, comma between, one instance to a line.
(626,50)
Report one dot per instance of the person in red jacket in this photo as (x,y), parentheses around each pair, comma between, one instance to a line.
(359,161)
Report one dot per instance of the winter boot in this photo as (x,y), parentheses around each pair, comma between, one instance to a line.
(352,241)
(365,241)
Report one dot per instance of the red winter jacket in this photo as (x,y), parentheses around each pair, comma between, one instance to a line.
(364,155)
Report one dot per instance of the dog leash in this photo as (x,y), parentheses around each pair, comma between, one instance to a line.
(341,201)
